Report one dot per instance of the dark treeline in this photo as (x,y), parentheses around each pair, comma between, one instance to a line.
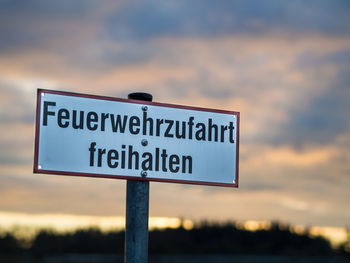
(202,239)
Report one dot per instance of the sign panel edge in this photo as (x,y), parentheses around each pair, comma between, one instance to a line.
(36,169)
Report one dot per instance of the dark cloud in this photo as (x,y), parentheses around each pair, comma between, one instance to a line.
(37,23)
(325,118)
(327,114)
(206,83)
(8,180)
(339,57)
(139,20)
(63,8)
(13,159)
(260,186)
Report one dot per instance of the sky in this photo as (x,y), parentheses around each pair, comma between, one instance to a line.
(284,65)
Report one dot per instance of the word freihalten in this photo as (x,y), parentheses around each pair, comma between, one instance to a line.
(146,126)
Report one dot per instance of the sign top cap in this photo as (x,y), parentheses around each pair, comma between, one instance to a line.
(140,96)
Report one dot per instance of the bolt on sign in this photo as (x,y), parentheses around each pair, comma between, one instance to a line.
(95,136)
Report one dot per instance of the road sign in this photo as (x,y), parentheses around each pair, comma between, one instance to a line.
(87,135)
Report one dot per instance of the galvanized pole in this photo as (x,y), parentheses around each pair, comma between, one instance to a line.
(137,203)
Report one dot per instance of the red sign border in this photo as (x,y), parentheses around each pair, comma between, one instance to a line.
(73,94)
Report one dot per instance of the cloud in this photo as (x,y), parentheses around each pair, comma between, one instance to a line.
(21,190)
(282,88)
(286,156)
(283,65)
(37,24)
(148,19)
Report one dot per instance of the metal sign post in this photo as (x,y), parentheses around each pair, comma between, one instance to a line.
(137,204)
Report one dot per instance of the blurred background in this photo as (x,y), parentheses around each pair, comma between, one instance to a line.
(285,65)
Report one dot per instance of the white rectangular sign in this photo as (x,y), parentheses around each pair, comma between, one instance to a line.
(86,135)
